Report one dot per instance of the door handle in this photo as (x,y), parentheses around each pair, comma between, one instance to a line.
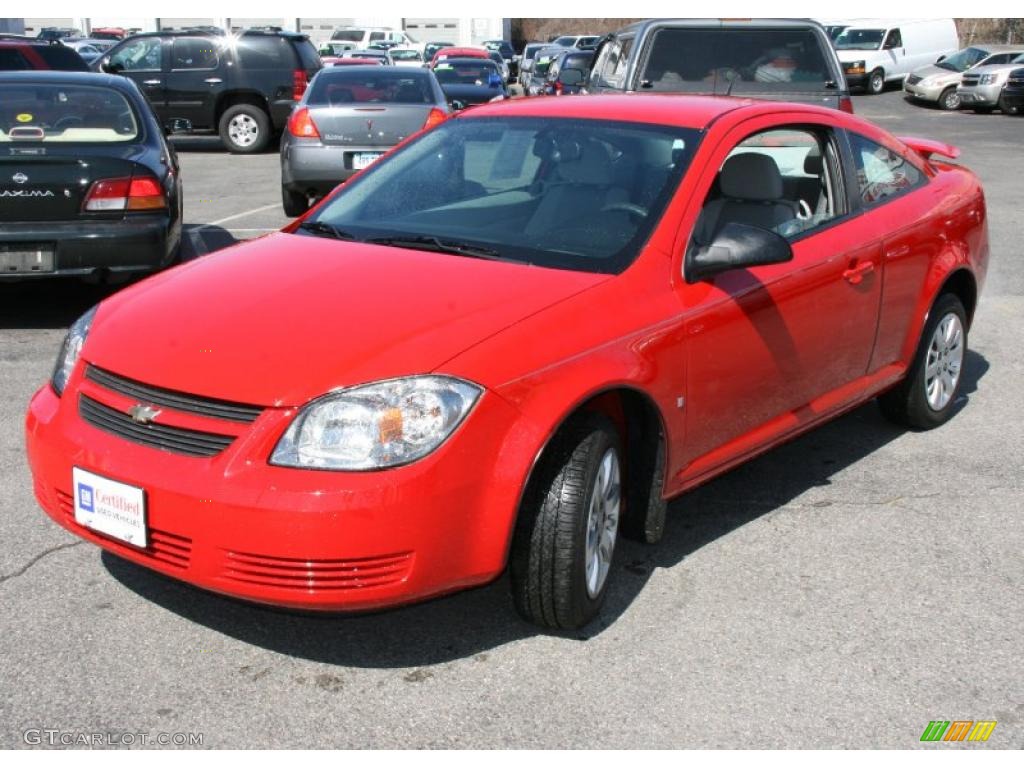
(213,80)
(854,275)
(151,82)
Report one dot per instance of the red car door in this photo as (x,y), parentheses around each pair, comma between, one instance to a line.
(773,347)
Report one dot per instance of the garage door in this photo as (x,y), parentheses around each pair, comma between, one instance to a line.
(431,30)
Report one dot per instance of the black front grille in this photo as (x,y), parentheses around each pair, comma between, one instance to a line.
(970,80)
(179,401)
(175,439)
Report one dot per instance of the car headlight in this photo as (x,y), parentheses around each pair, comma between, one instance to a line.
(988,79)
(375,426)
(70,350)
(855,67)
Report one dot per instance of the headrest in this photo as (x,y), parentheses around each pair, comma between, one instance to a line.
(813,163)
(751,176)
(577,160)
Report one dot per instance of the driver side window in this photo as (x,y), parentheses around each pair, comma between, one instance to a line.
(784,180)
(142,55)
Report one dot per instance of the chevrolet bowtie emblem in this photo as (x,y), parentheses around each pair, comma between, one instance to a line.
(143,414)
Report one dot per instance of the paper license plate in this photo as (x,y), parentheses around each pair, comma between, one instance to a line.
(115,509)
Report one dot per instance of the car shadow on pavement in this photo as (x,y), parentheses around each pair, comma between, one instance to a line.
(474,621)
(58,302)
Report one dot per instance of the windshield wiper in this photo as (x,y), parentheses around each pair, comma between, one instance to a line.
(431,243)
(323,229)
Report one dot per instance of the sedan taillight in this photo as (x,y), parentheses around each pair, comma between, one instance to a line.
(846,104)
(301,124)
(436,117)
(141,193)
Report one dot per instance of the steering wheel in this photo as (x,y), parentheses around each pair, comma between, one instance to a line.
(633,208)
(67,119)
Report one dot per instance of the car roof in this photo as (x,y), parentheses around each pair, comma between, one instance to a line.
(683,111)
(67,77)
(641,26)
(468,60)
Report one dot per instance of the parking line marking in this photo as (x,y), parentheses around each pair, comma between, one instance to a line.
(240,215)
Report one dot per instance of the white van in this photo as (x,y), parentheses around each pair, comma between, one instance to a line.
(876,53)
(364,37)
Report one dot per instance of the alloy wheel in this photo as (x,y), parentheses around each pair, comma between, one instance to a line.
(243,130)
(603,521)
(944,362)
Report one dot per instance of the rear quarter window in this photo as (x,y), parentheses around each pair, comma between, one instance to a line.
(63,58)
(881,173)
(307,54)
(265,52)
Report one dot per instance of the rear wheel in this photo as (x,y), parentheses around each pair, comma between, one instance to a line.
(565,538)
(876,82)
(1006,110)
(294,203)
(949,99)
(926,397)
(245,129)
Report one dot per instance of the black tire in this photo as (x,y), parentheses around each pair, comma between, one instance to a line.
(949,100)
(1005,109)
(986,110)
(294,203)
(548,568)
(876,82)
(907,403)
(260,135)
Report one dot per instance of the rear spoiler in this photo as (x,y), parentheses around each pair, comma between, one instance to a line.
(928,147)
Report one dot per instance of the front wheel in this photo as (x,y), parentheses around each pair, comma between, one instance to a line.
(565,538)
(949,100)
(245,129)
(926,397)
(1004,108)
(876,82)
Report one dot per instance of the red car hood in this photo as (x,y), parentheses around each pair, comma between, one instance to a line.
(283,319)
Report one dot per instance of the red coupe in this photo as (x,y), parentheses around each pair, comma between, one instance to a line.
(509,342)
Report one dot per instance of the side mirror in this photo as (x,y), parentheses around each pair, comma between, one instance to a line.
(941,58)
(571,77)
(177,126)
(458,106)
(736,246)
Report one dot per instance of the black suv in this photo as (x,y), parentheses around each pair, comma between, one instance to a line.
(242,86)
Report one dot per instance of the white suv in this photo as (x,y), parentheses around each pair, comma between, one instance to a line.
(363,38)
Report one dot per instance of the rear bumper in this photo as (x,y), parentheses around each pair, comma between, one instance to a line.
(133,244)
(317,167)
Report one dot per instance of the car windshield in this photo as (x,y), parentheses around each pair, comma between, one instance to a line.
(702,60)
(530,50)
(35,112)
(405,55)
(348,35)
(860,39)
(476,72)
(553,192)
(566,40)
(962,60)
(339,87)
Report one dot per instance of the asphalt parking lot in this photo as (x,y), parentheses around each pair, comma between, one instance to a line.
(841,591)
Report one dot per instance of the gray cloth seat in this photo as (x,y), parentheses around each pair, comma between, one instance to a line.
(583,184)
(751,193)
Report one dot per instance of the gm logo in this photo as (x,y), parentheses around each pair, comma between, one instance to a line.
(85,497)
(958,730)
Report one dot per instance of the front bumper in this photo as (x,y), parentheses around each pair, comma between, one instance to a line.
(856,80)
(319,168)
(1013,98)
(923,92)
(134,244)
(979,95)
(296,538)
